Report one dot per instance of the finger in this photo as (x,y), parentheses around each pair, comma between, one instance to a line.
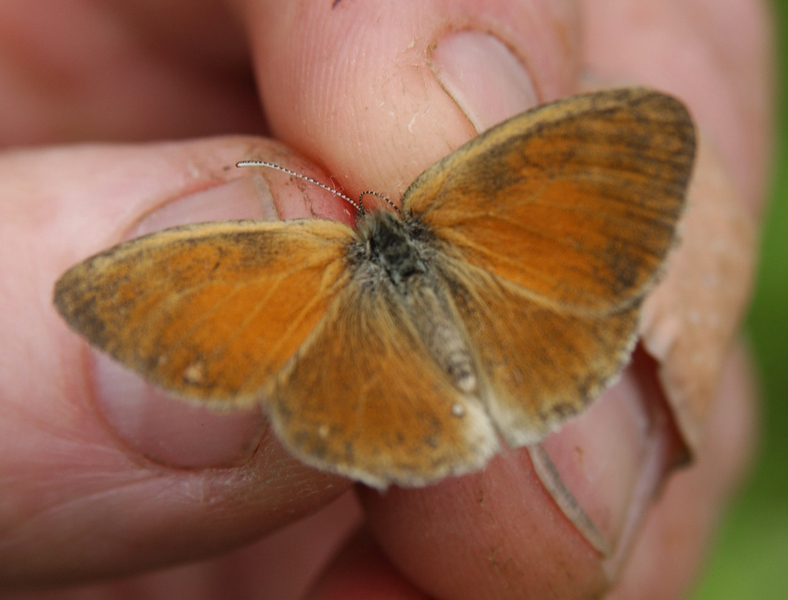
(718,58)
(100,473)
(360,86)
(123,71)
(281,565)
(369,123)
(496,533)
(670,552)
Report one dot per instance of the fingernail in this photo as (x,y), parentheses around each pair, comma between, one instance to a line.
(604,468)
(486,80)
(170,430)
(243,198)
(162,427)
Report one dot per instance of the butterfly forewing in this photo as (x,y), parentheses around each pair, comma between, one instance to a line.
(576,202)
(209,311)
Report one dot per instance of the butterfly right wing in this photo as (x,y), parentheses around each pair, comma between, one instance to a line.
(210,312)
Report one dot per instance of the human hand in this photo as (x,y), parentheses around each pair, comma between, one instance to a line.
(101,476)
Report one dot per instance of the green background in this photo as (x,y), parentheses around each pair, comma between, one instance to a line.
(750,557)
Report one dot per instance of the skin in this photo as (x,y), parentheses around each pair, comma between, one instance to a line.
(88,495)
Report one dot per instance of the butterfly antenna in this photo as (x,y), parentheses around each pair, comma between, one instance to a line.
(261,163)
(378,195)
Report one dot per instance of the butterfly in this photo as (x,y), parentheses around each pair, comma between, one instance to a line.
(501,300)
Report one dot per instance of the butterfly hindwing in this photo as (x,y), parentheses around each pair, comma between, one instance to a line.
(537,364)
(366,397)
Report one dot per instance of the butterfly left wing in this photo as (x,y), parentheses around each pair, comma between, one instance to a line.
(210,312)
(365,398)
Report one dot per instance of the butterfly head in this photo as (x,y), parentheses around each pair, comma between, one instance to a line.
(392,246)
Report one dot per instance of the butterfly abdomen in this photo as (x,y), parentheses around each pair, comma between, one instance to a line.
(440,331)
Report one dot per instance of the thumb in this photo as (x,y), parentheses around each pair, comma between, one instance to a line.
(97,469)
(378,92)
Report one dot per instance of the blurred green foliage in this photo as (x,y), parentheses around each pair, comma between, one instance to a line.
(750,559)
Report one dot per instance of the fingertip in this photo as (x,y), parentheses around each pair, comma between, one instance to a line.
(493,534)
(356,86)
(670,550)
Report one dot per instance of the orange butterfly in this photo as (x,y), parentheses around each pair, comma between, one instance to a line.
(502,301)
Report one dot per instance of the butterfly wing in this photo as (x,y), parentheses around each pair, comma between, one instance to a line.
(212,311)
(538,364)
(552,227)
(365,397)
(575,202)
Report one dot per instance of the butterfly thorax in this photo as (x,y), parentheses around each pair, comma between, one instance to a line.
(392,245)
(394,258)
